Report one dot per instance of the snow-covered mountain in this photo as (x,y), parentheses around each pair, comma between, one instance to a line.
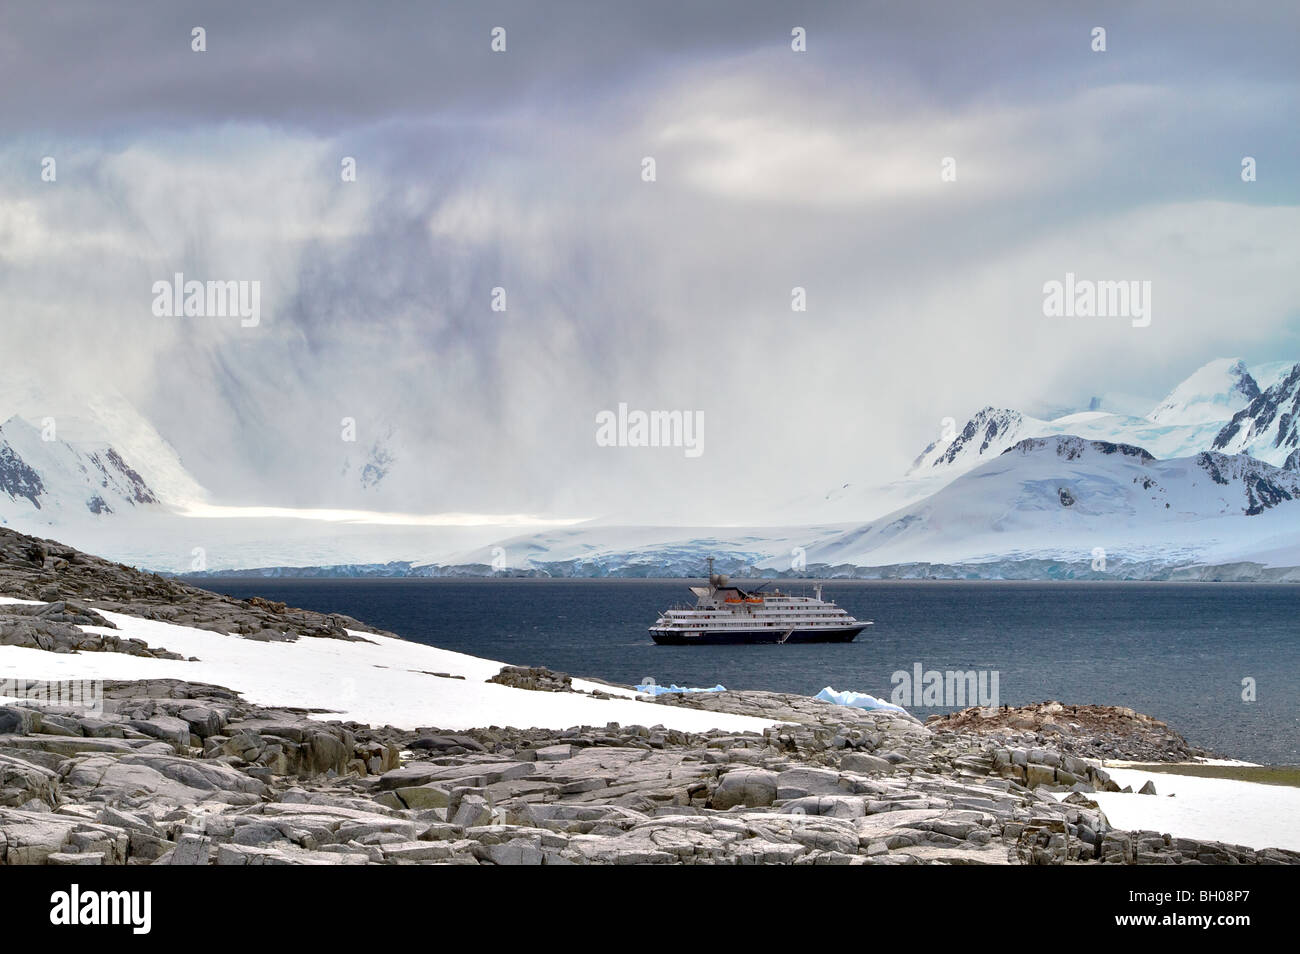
(1062,497)
(1267,427)
(71,460)
(1053,501)
(1214,392)
(985,436)
(367,469)
(1188,420)
(54,476)
(97,414)
(1210,474)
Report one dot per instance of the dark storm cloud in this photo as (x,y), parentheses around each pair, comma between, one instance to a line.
(74,66)
(521,170)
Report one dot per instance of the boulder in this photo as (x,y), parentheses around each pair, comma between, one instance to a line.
(22,782)
(801,782)
(164,727)
(751,788)
(202,721)
(864,764)
(161,779)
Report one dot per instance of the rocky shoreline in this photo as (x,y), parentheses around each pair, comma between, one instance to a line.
(1099,732)
(176,772)
(181,773)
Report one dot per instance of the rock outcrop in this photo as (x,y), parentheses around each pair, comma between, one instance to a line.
(178,773)
(58,575)
(1101,732)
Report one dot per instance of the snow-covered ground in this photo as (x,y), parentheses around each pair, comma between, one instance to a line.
(1214,809)
(381,682)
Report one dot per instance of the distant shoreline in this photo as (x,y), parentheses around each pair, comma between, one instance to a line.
(1226,573)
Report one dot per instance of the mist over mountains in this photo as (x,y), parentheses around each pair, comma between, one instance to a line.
(1208,477)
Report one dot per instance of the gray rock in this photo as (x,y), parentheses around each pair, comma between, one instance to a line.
(865,764)
(472,810)
(166,728)
(21,782)
(202,721)
(752,788)
(801,782)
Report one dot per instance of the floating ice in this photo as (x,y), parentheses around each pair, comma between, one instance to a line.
(859,700)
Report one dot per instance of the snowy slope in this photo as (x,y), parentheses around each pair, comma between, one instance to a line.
(985,436)
(1215,809)
(381,681)
(366,468)
(1061,497)
(54,481)
(1214,392)
(98,414)
(1268,374)
(111,483)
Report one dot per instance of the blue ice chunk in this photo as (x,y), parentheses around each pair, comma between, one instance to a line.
(858,700)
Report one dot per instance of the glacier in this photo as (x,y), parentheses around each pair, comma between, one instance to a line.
(1201,487)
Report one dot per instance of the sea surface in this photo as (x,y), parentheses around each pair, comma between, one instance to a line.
(1178,651)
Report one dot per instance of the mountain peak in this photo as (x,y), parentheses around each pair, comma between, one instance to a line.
(1214,392)
(1269,426)
(986,435)
(50,474)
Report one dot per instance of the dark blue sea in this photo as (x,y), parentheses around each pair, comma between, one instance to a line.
(1178,651)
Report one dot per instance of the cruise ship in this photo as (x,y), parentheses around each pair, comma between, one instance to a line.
(728,614)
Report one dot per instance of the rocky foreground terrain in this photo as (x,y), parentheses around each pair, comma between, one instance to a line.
(172,772)
(180,773)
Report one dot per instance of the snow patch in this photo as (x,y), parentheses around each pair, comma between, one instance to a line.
(1212,809)
(382,681)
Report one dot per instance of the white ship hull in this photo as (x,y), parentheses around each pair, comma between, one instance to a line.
(725,614)
(722,637)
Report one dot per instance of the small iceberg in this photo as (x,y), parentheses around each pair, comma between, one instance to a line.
(859,700)
(651,689)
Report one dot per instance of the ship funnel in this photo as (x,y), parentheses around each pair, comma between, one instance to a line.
(716,579)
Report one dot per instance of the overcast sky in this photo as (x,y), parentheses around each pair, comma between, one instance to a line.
(523,169)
